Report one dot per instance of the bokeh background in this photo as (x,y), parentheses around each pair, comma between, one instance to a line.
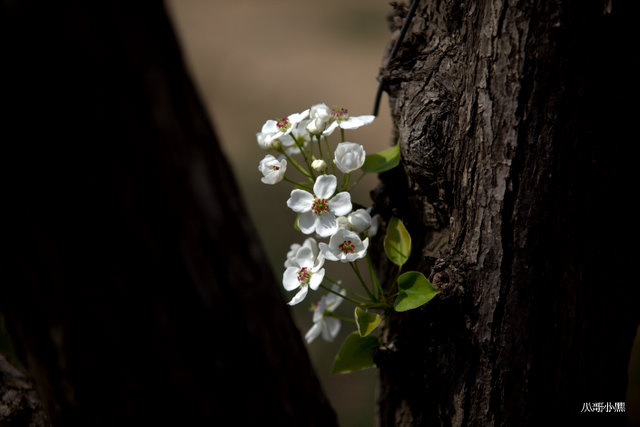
(255,60)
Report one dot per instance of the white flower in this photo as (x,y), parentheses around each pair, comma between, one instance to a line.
(305,272)
(342,119)
(319,118)
(349,156)
(344,246)
(274,129)
(319,210)
(310,243)
(358,221)
(322,323)
(319,165)
(272,169)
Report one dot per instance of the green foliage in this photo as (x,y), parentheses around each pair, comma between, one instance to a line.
(382,161)
(366,321)
(355,354)
(414,291)
(397,242)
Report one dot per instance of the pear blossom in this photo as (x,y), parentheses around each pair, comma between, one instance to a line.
(272,169)
(344,246)
(324,324)
(342,119)
(358,221)
(305,271)
(272,130)
(349,156)
(318,211)
(319,118)
(310,243)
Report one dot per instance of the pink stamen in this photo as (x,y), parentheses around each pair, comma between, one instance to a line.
(283,123)
(320,206)
(303,274)
(347,247)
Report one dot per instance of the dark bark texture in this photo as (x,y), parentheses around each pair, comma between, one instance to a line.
(130,276)
(515,120)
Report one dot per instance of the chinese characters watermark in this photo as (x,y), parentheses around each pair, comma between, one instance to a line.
(603,407)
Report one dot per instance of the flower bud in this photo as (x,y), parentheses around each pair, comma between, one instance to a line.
(319,165)
(349,156)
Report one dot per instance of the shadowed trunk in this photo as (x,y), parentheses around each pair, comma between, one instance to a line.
(131,278)
(514,120)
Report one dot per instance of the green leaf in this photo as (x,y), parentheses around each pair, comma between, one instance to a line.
(414,291)
(355,354)
(366,322)
(397,242)
(382,161)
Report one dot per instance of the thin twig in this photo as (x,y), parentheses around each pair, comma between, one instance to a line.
(394,50)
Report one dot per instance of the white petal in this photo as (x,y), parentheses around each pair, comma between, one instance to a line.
(325,186)
(299,296)
(319,262)
(333,300)
(287,141)
(304,257)
(316,279)
(331,328)
(313,333)
(300,201)
(326,224)
(270,126)
(365,244)
(293,250)
(329,130)
(340,204)
(307,222)
(290,278)
(356,122)
(318,313)
(325,250)
(311,243)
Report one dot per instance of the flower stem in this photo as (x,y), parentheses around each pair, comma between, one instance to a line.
(295,164)
(345,181)
(297,184)
(337,316)
(354,267)
(357,181)
(320,147)
(328,289)
(304,156)
(342,134)
(374,278)
(333,166)
(355,294)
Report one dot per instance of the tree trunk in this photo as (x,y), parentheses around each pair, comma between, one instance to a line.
(513,119)
(131,278)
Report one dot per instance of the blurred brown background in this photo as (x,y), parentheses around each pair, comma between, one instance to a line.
(254,60)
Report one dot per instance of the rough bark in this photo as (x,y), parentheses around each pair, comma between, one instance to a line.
(131,277)
(514,119)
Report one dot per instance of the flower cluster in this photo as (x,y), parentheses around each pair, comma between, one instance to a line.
(321,199)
